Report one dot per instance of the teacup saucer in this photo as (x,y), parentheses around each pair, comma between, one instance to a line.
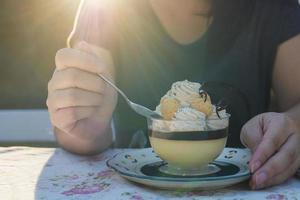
(142,166)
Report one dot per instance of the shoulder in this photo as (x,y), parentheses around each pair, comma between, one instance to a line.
(279,17)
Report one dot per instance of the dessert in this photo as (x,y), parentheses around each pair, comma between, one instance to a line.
(193,132)
(186,101)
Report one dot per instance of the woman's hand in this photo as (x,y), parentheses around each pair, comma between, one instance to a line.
(78,101)
(274,140)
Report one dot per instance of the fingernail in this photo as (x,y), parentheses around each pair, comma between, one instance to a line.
(255,166)
(260,179)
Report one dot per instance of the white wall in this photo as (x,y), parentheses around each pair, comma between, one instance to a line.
(25,126)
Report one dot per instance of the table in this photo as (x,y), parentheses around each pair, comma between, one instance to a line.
(49,173)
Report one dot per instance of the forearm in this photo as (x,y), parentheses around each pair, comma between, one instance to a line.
(88,140)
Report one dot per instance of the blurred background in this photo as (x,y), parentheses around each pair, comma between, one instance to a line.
(31,31)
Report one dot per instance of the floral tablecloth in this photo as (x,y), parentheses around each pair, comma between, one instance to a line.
(43,173)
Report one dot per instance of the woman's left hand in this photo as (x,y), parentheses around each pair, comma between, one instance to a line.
(274,140)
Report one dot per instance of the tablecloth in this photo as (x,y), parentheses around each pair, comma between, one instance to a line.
(47,173)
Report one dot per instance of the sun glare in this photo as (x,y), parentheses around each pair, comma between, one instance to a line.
(90,19)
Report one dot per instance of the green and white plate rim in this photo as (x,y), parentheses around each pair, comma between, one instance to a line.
(140,166)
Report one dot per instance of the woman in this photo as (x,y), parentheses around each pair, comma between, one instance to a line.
(144,45)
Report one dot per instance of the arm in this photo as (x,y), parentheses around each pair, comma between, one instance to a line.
(286,78)
(79,103)
(274,138)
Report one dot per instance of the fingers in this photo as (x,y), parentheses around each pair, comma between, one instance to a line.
(275,135)
(276,153)
(102,53)
(76,78)
(73,97)
(79,59)
(88,128)
(252,133)
(278,163)
(66,118)
(279,178)
(76,93)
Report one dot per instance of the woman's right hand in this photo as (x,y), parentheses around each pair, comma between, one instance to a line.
(79,102)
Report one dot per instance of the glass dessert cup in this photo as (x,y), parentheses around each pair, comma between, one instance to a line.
(188,147)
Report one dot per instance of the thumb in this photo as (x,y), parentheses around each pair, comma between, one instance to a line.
(102,53)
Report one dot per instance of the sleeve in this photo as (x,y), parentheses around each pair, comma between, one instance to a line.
(291,21)
(94,23)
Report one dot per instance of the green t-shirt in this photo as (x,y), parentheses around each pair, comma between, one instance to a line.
(235,57)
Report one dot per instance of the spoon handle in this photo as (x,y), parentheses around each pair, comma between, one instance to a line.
(115,87)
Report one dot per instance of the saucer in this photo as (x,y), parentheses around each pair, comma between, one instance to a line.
(143,166)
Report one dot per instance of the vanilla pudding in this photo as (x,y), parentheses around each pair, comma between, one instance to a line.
(188,154)
(186,149)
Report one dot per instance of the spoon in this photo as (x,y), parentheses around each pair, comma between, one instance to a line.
(141,110)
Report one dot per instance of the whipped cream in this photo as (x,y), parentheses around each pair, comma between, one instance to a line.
(187,118)
(184,91)
(187,113)
(214,122)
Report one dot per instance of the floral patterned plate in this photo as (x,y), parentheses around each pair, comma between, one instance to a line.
(142,166)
